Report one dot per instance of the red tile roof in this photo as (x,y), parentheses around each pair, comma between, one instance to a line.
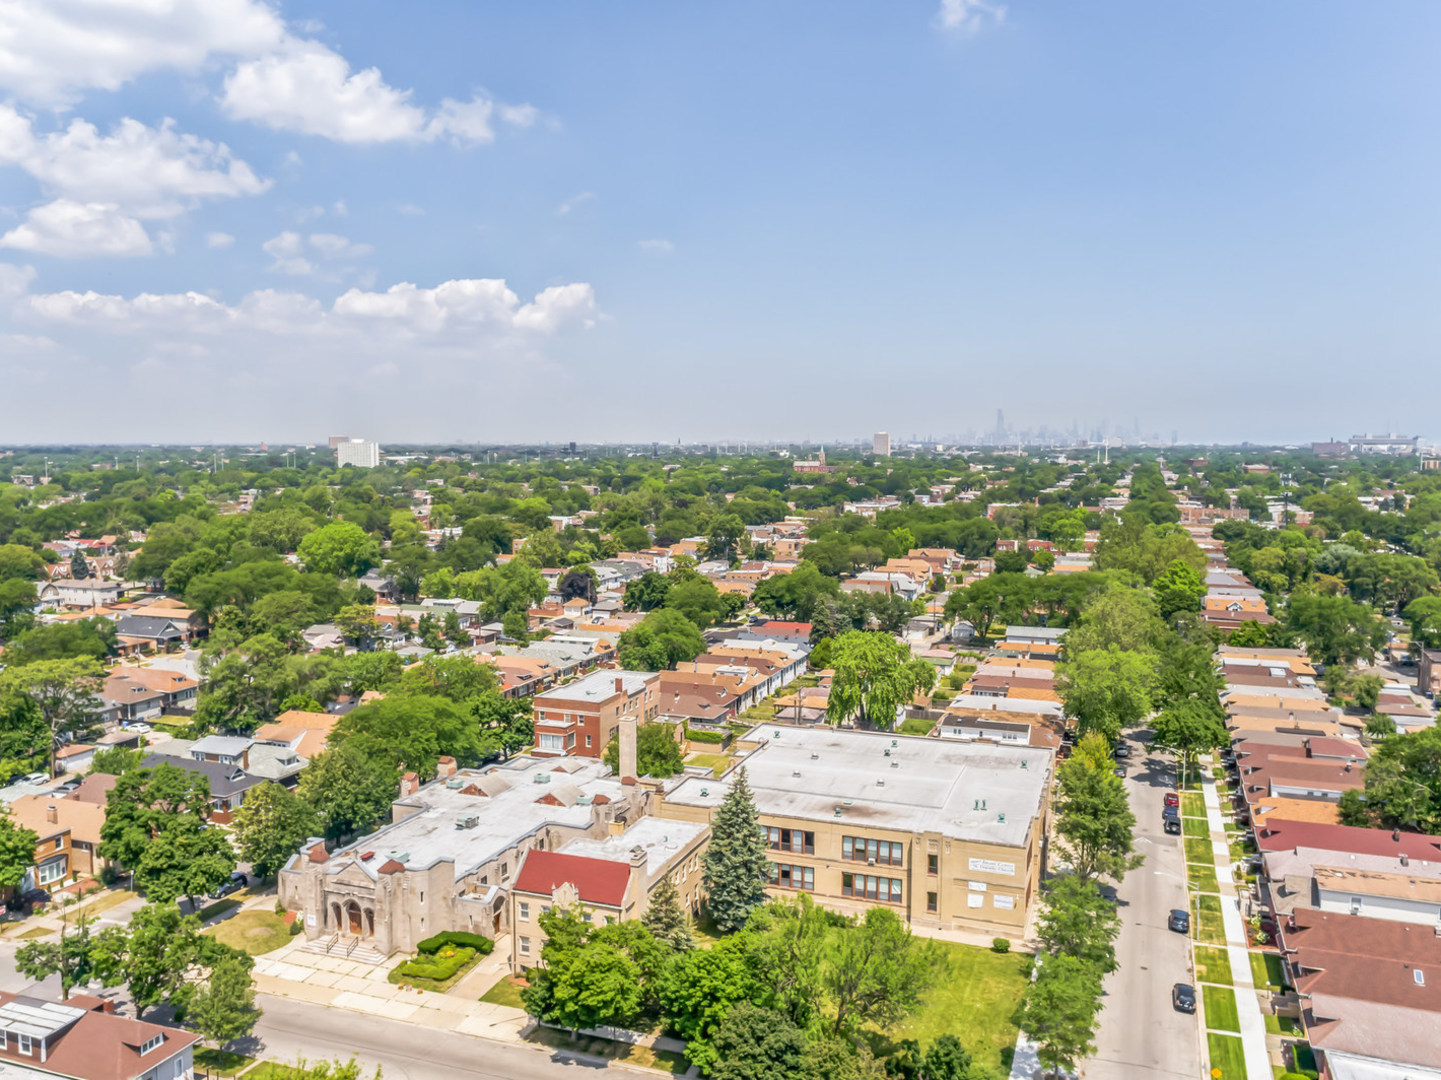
(598,881)
(797,629)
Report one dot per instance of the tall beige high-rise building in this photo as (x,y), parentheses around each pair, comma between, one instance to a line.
(361,453)
(881,444)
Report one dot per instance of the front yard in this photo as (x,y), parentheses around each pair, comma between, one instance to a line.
(256,932)
(975,998)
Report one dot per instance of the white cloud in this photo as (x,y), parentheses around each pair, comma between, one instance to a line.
(72,229)
(409,210)
(286,250)
(153,172)
(657,247)
(969,16)
(218,240)
(574,203)
(339,247)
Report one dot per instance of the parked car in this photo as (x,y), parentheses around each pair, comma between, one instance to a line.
(1120,770)
(28,901)
(139,729)
(1171,819)
(1183,998)
(1121,751)
(1173,798)
(35,778)
(234,884)
(66,788)
(1180,921)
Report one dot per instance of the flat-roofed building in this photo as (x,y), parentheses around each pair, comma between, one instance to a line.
(946,832)
(578,719)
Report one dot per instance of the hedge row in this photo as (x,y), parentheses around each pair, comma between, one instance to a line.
(706,736)
(482,945)
(437,968)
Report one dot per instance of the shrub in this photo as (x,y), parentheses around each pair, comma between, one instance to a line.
(480,944)
(1001,945)
(706,736)
(294,927)
(438,967)
(279,908)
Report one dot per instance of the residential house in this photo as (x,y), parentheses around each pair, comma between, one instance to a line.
(303,732)
(578,719)
(68,832)
(83,1039)
(83,594)
(228,782)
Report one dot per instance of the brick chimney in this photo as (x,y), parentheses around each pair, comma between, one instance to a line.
(627,758)
(52,814)
(409,784)
(446,768)
(619,685)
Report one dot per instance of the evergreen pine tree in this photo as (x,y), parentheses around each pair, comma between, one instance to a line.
(79,568)
(665,919)
(735,862)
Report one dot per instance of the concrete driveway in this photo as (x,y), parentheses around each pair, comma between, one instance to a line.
(1140,1034)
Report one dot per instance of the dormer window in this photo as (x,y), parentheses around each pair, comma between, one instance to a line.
(152,1043)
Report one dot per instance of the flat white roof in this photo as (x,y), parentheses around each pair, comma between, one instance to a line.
(599,686)
(984,793)
(660,837)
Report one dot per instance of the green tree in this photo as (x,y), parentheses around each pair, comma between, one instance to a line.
(17,605)
(17,852)
(946,1059)
(186,860)
(698,600)
(1180,587)
(753,1043)
(63,692)
(735,862)
(72,957)
(223,1008)
(1336,630)
(1094,819)
(1059,1011)
(1188,729)
(412,732)
(878,972)
(699,991)
(340,549)
(146,802)
(271,825)
(657,752)
(874,677)
(358,623)
(583,981)
(154,955)
(725,538)
(647,592)
(349,790)
(666,919)
(1117,618)
(1367,691)
(1107,690)
(1079,920)
(664,638)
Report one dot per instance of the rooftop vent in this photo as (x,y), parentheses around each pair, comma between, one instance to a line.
(895,764)
(1023,763)
(704,792)
(455,783)
(815,757)
(470,821)
(1001,818)
(880,783)
(795,772)
(888,752)
(838,814)
(541,778)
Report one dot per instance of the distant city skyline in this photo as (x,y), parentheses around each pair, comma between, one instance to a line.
(250,219)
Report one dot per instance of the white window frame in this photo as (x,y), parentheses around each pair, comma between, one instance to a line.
(523,911)
(24,1044)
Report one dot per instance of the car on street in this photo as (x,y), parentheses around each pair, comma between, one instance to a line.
(1183,998)
(233,884)
(1171,819)
(1180,921)
(1173,799)
(139,729)
(1121,751)
(1120,770)
(35,778)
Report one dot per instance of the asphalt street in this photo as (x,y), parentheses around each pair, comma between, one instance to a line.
(1141,1035)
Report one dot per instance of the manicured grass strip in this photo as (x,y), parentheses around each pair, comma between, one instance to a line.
(1284,1025)
(1226,1052)
(33,932)
(255,932)
(1221,1008)
(1202,876)
(221,1062)
(1193,805)
(1213,965)
(1206,924)
(1198,851)
(506,992)
(1267,971)
(984,987)
(108,901)
(1195,828)
(1305,1057)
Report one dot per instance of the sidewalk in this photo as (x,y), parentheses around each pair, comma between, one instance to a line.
(1248,1005)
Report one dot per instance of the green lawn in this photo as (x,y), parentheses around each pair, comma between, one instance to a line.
(916,725)
(1196,828)
(1242,847)
(1198,851)
(1284,1025)
(506,992)
(221,1062)
(33,932)
(1267,971)
(255,932)
(705,931)
(108,901)
(438,986)
(1213,965)
(270,1070)
(975,999)
(1226,1053)
(1220,1008)
(1193,805)
(1304,1056)
(1202,876)
(716,763)
(1207,926)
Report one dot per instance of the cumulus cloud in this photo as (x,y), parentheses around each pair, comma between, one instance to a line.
(72,229)
(289,251)
(969,16)
(218,240)
(51,51)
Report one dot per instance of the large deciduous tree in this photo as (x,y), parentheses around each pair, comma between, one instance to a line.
(271,826)
(1094,819)
(875,676)
(664,638)
(349,790)
(62,692)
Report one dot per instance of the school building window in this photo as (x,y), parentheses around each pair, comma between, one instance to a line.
(880,852)
(802,843)
(785,876)
(869,887)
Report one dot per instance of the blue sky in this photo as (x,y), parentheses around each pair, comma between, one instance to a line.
(737,221)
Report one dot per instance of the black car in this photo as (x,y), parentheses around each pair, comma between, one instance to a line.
(1180,921)
(1171,819)
(1120,770)
(236,882)
(1183,998)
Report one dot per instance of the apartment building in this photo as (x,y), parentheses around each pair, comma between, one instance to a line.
(579,718)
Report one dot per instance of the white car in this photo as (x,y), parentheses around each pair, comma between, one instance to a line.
(141,729)
(35,778)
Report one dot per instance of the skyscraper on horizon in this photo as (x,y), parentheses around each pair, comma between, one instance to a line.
(881,444)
